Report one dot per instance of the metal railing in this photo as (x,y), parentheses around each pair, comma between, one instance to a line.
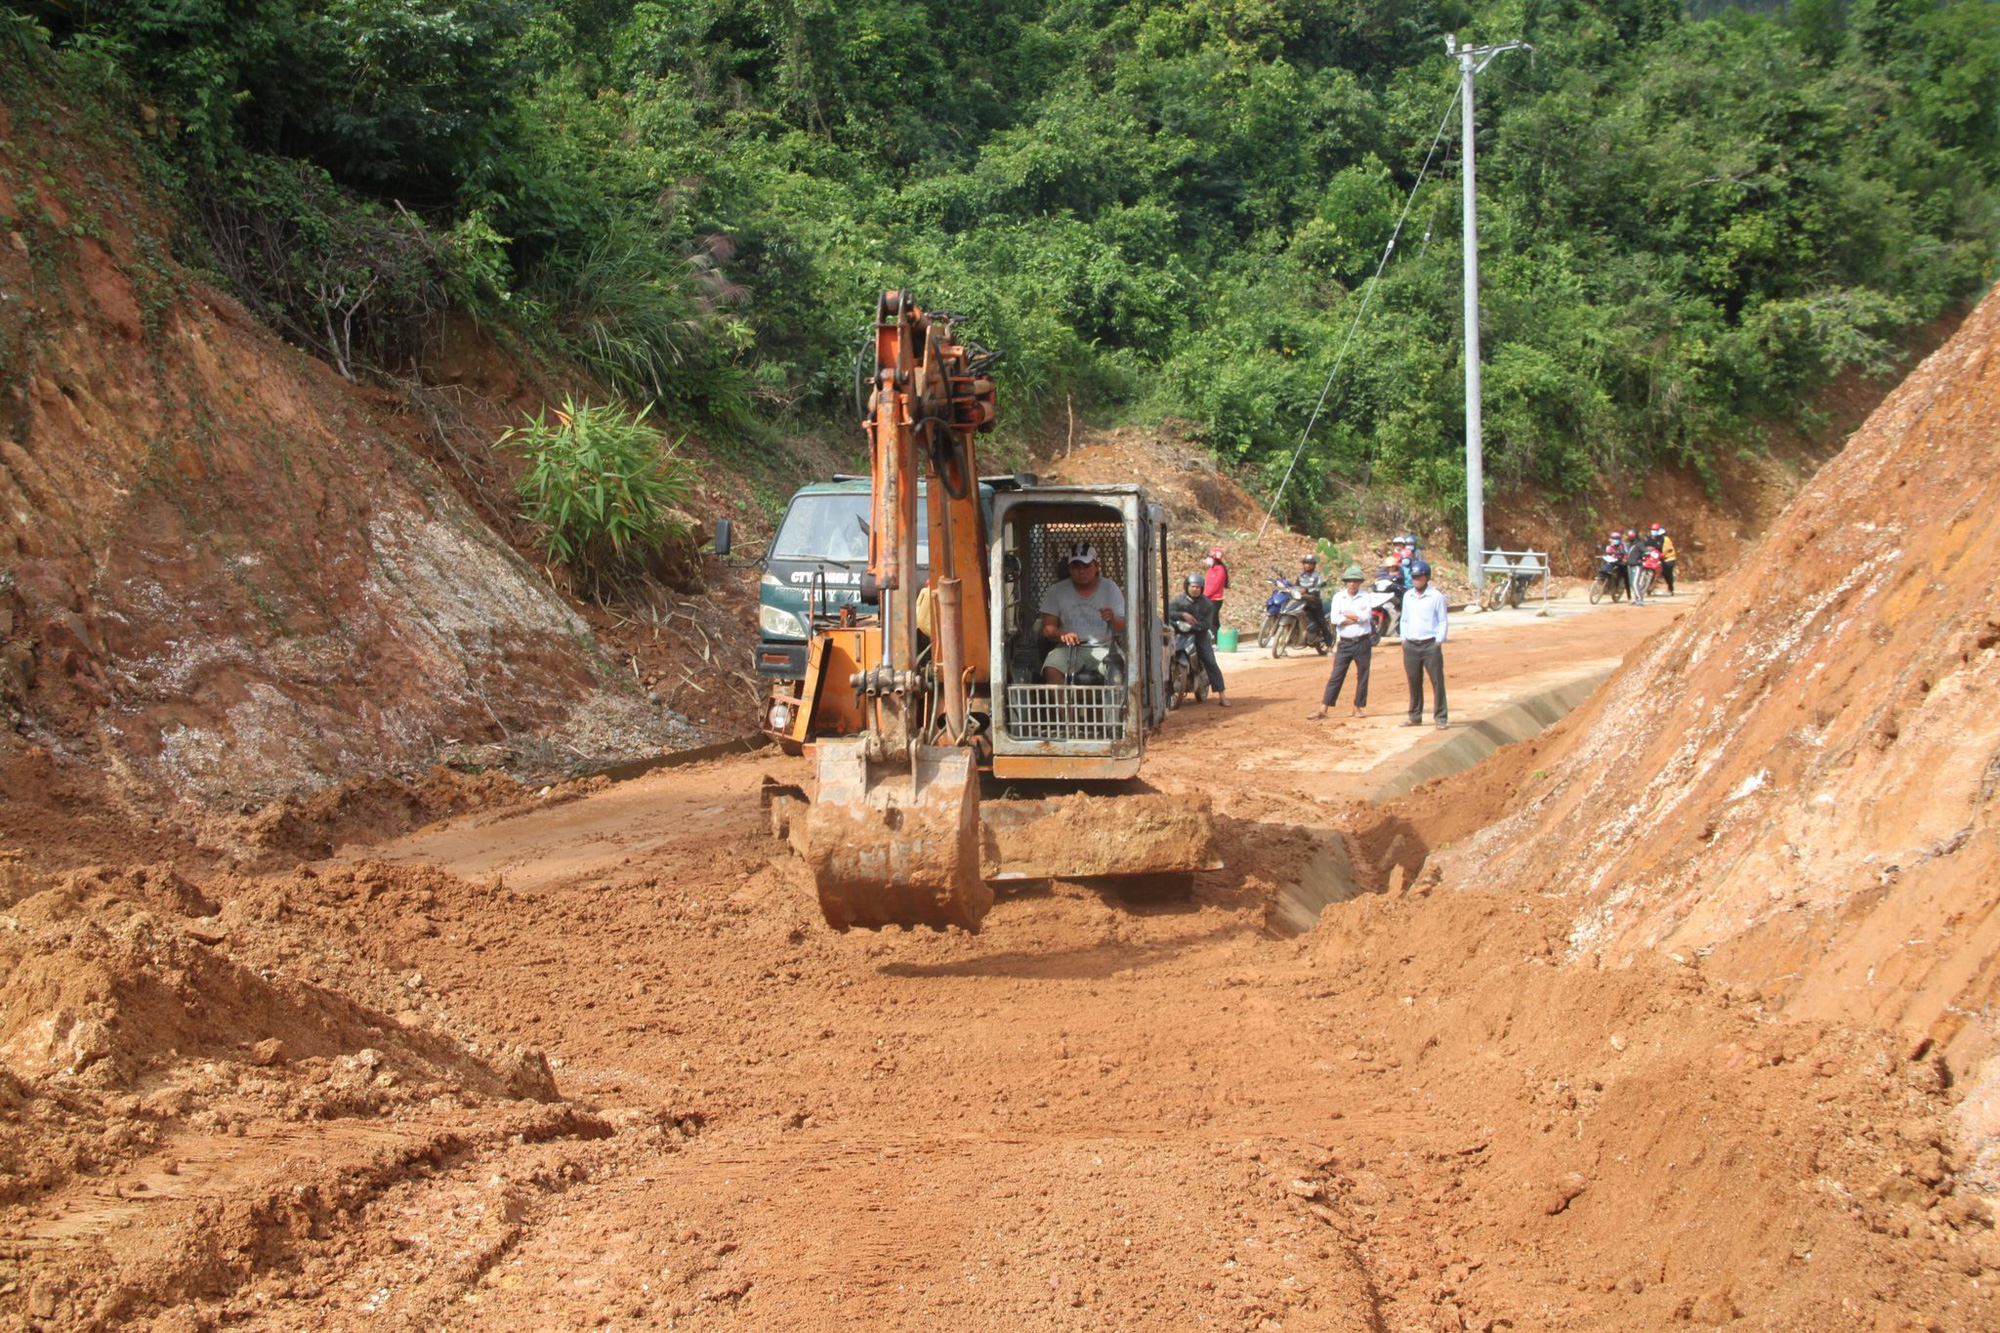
(1066,712)
(1501,568)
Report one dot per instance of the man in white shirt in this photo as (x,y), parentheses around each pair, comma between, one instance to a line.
(1082,615)
(1354,631)
(1425,628)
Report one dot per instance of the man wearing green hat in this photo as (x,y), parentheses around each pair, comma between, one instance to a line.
(1354,642)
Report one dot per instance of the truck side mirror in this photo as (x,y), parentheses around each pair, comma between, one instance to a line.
(721,537)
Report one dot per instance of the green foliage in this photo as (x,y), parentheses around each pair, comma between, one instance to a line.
(1690,222)
(653,333)
(356,282)
(600,486)
(1821,28)
(23,36)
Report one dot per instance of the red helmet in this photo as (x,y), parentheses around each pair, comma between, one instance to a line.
(1215,553)
(1631,532)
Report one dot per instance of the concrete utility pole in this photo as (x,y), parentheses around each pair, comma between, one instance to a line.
(1471,60)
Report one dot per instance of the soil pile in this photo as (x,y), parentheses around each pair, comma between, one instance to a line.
(1724,971)
(154,1033)
(1795,783)
(219,578)
(1105,1109)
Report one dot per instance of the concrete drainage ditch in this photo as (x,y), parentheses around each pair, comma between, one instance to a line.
(1329,875)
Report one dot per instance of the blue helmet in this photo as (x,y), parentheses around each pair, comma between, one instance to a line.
(1421,567)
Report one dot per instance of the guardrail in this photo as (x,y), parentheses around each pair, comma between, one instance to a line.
(1503,569)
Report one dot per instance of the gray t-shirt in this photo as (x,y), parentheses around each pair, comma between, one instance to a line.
(1077,614)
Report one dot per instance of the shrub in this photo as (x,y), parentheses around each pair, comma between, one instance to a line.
(22,35)
(355,282)
(652,325)
(600,486)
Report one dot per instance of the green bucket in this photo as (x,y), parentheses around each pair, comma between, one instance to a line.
(1225,641)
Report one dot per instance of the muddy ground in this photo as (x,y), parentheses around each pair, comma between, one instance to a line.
(1099,1112)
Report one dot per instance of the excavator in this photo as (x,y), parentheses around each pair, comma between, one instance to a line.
(945,759)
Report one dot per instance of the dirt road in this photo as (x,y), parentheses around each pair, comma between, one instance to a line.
(1095,1113)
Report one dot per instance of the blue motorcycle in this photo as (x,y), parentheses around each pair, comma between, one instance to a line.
(1274,608)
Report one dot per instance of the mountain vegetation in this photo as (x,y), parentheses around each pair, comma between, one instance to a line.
(1152,207)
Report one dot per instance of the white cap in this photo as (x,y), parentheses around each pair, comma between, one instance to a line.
(1082,553)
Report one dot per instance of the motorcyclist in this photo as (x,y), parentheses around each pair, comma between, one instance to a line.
(1312,589)
(1191,611)
(1667,560)
(1215,582)
(1635,560)
(1401,554)
(1614,554)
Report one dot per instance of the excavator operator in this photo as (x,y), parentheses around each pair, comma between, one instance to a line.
(1081,615)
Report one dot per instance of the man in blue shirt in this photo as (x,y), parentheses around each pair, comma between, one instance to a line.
(1425,628)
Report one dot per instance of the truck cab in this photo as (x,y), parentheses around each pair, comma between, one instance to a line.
(816,562)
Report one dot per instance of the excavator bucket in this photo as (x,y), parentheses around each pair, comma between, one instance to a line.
(894,846)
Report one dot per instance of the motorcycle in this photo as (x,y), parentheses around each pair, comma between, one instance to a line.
(1274,606)
(1293,627)
(1649,572)
(1185,675)
(1508,589)
(1610,580)
(1387,613)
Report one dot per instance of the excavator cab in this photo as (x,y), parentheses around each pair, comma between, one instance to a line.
(1091,726)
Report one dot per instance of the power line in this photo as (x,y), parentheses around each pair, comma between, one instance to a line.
(1367,294)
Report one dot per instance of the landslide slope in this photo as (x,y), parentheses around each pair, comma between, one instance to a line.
(1794,785)
(219,577)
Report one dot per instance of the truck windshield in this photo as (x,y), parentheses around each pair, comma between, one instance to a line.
(832,527)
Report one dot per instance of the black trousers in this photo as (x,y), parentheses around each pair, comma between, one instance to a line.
(1359,651)
(1316,613)
(1667,570)
(1425,657)
(1204,648)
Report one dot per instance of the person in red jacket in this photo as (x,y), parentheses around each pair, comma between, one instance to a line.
(1215,582)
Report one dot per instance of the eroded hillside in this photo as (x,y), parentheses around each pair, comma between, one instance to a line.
(220,578)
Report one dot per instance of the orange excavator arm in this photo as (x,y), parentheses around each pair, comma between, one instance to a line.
(929,400)
(894,830)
